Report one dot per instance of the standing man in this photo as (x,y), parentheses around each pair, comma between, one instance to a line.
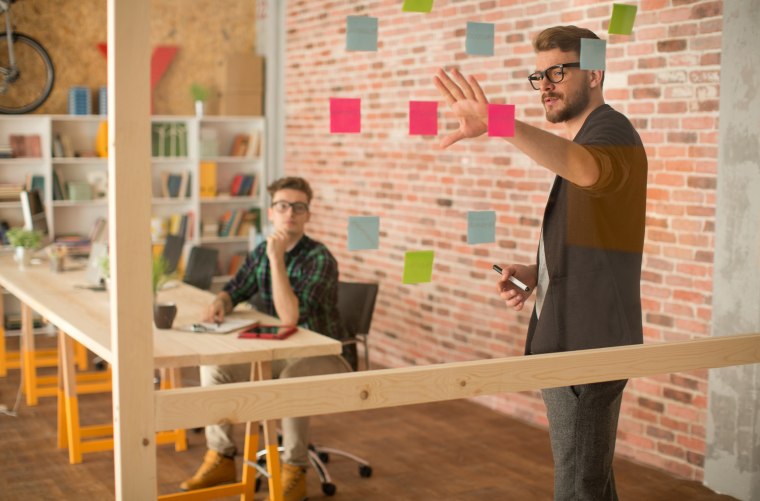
(588,266)
(296,279)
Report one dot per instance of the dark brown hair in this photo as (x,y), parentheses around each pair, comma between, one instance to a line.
(564,38)
(290,183)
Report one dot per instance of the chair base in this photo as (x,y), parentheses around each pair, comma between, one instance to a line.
(318,458)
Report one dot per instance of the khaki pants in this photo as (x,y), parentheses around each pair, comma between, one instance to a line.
(295,431)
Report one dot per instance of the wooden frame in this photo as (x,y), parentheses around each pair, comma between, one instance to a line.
(134,405)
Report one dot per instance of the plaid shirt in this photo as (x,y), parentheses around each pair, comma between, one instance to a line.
(313,275)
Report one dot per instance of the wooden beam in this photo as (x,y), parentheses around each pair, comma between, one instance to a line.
(129,198)
(312,396)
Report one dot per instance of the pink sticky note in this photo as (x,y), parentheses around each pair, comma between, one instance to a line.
(501,120)
(423,118)
(345,115)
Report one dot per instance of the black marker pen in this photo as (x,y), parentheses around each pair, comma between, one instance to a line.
(512,279)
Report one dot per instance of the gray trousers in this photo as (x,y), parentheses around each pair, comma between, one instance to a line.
(295,431)
(583,423)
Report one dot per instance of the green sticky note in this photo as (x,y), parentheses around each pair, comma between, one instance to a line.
(417,6)
(623,16)
(418,267)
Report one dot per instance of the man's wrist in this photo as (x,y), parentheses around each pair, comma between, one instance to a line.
(225,300)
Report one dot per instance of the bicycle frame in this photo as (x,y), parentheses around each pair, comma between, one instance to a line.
(9,72)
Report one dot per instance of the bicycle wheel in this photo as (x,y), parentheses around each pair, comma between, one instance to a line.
(31,86)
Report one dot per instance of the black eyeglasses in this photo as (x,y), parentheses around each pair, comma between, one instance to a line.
(554,74)
(298,207)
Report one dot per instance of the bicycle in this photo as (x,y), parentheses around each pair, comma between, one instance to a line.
(26,70)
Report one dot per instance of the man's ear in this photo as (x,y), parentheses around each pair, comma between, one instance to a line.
(595,78)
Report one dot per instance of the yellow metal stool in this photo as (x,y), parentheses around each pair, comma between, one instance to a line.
(93,438)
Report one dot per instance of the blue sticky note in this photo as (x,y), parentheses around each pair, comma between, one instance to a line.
(479,40)
(481,227)
(361,33)
(593,54)
(363,232)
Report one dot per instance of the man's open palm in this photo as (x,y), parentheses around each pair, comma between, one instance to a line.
(467,101)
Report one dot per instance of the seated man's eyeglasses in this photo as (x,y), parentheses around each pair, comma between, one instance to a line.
(298,207)
(555,74)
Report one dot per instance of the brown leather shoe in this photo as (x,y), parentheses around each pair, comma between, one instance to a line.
(293,482)
(216,469)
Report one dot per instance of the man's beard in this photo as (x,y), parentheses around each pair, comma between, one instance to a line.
(573,106)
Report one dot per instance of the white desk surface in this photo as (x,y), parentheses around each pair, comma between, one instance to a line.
(85,316)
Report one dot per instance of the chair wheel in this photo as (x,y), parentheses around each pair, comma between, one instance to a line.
(324,457)
(329,489)
(365,471)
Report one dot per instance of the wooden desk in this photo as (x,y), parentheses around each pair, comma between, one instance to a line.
(84,316)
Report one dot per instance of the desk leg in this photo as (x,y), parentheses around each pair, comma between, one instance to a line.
(71,401)
(3,351)
(270,442)
(63,440)
(29,372)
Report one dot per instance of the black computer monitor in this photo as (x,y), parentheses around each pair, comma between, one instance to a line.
(34,212)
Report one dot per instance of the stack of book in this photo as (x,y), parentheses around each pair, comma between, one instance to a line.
(246,145)
(6,151)
(26,146)
(175,185)
(79,101)
(10,192)
(180,225)
(169,139)
(238,222)
(243,185)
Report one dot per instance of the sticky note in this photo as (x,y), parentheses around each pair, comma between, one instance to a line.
(417,6)
(593,54)
(418,267)
(501,120)
(361,33)
(423,118)
(479,41)
(623,16)
(363,232)
(481,227)
(345,115)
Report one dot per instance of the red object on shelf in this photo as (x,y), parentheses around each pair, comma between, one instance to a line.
(159,63)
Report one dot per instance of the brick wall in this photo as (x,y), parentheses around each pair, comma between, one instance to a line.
(665,78)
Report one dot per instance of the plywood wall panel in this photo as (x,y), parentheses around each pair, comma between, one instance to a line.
(205,31)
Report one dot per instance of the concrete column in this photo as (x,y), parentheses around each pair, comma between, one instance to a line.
(732,462)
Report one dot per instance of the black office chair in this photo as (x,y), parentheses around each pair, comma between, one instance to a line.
(356,303)
(201,267)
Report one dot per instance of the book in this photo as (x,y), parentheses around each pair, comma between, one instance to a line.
(236,261)
(240,145)
(58,193)
(254,145)
(173,184)
(207,179)
(184,185)
(237,182)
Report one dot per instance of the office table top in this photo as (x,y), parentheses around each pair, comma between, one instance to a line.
(85,316)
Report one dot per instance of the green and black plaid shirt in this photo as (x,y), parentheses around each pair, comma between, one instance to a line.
(313,275)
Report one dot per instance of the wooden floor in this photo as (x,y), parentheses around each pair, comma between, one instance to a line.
(445,451)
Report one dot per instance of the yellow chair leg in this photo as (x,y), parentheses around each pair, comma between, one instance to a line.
(74,433)
(249,454)
(63,439)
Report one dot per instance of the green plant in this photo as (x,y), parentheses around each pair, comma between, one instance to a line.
(20,237)
(160,275)
(199,92)
(105,267)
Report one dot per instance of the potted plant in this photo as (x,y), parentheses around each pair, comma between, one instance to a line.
(24,241)
(160,274)
(200,94)
(105,269)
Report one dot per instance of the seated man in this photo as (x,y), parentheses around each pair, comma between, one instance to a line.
(296,279)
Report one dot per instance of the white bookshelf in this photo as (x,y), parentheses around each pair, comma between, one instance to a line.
(78,165)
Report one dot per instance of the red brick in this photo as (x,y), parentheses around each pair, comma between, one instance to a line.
(671,45)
